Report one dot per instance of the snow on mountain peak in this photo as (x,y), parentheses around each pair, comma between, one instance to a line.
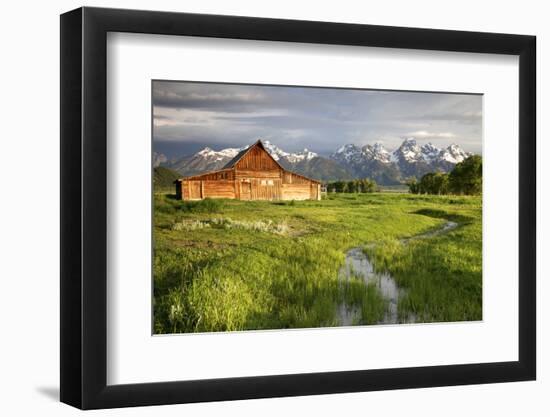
(300,156)
(209,153)
(376,152)
(206,151)
(347,148)
(409,151)
(347,152)
(353,161)
(293,157)
(428,147)
(453,154)
(276,152)
(378,147)
(429,152)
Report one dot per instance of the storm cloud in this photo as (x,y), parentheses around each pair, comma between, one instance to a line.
(189,115)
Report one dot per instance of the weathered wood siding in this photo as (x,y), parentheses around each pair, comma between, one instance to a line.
(256,159)
(246,174)
(192,190)
(199,189)
(219,189)
(247,189)
(266,189)
(244,190)
(226,174)
(296,192)
(292,178)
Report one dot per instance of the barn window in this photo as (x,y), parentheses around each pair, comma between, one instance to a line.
(269,182)
(263,182)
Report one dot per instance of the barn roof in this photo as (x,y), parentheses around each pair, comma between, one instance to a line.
(242,153)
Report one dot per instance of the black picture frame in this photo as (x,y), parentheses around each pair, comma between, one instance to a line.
(84,207)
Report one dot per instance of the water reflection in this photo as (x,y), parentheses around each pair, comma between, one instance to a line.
(357,264)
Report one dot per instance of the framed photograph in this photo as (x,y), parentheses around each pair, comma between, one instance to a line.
(257,208)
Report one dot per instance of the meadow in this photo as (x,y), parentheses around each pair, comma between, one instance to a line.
(226,265)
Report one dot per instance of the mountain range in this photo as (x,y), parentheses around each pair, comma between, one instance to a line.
(409,160)
(349,161)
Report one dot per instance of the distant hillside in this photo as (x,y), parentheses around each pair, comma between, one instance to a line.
(319,168)
(165,177)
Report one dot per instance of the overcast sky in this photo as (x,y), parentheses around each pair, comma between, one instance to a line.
(188,116)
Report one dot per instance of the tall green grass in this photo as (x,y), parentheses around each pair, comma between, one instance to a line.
(441,275)
(238,276)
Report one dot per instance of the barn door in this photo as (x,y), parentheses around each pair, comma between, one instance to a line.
(265,189)
(194,190)
(245,190)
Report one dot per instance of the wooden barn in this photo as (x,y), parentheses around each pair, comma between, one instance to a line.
(252,175)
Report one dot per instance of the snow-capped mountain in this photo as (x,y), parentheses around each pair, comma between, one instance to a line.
(370,161)
(429,152)
(278,154)
(453,154)
(211,154)
(376,152)
(354,154)
(206,159)
(305,162)
(409,159)
(410,151)
(349,153)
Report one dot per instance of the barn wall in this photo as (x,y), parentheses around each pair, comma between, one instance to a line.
(296,192)
(247,174)
(291,178)
(249,189)
(214,176)
(191,190)
(198,189)
(219,189)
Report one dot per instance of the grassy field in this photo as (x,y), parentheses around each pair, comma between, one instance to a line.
(223,265)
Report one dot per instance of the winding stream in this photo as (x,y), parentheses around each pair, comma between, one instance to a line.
(358,264)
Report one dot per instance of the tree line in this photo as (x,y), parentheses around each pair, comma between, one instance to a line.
(364,185)
(465,178)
